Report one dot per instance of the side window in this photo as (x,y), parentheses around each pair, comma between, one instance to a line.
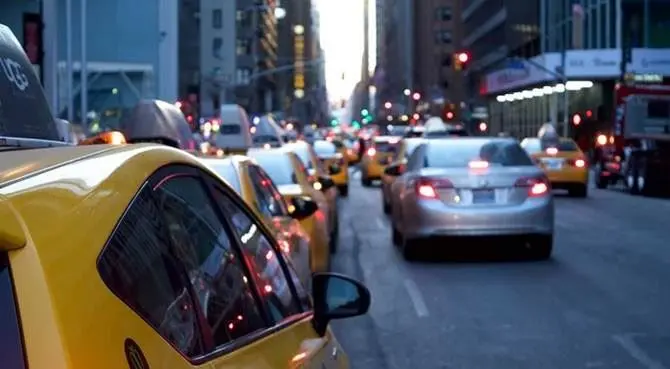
(302,168)
(266,267)
(216,272)
(269,200)
(415,160)
(138,265)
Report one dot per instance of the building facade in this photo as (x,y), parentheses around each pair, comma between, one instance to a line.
(591,45)
(395,51)
(437,38)
(131,53)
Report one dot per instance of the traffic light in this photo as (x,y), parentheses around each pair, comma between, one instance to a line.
(334,122)
(364,112)
(576,119)
(461,60)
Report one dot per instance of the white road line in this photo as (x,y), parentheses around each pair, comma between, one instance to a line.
(626,341)
(380,224)
(417,299)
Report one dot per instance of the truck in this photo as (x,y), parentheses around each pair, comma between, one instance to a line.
(635,150)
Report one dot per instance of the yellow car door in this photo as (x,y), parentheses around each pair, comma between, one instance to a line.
(269,203)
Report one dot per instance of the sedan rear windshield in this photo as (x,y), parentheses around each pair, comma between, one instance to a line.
(535,146)
(228,172)
(11,349)
(458,153)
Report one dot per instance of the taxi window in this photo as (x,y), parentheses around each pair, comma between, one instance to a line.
(24,111)
(386,147)
(204,247)
(278,167)
(270,273)
(270,202)
(139,267)
(227,171)
(11,349)
(534,146)
(338,144)
(230,129)
(324,148)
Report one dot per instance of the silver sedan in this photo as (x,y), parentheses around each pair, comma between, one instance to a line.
(465,187)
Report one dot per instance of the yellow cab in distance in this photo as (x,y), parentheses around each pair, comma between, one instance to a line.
(115,256)
(346,147)
(563,162)
(321,181)
(296,185)
(378,155)
(396,168)
(254,185)
(333,160)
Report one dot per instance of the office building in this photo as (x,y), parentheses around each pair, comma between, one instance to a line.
(131,53)
(586,44)
(395,51)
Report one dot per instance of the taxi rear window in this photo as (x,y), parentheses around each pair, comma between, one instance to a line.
(11,349)
(535,146)
(386,147)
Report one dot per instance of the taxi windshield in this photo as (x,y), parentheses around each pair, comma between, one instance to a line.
(535,146)
(278,167)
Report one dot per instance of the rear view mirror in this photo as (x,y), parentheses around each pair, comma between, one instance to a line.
(395,170)
(337,296)
(302,207)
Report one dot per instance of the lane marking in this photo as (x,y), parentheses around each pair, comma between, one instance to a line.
(417,299)
(626,341)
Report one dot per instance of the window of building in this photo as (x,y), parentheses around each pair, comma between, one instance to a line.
(217,46)
(444,13)
(139,267)
(267,269)
(243,47)
(217,18)
(443,37)
(243,76)
(215,270)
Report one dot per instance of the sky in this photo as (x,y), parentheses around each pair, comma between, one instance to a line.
(342,41)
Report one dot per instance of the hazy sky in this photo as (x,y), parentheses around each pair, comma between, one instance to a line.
(342,41)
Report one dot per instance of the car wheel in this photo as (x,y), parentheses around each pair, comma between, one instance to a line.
(386,205)
(334,237)
(542,247)
(366,182)
(581,190)
(396,237)
(601,181)
(410,249)
(344,190)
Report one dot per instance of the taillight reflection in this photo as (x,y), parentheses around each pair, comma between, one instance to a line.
(372,151)
(537,187)
(579,163)
(552,151)
(426,188)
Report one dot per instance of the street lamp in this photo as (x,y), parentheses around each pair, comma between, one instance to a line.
(407,92)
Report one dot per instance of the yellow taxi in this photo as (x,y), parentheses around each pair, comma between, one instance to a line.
(379,154)
(563,162)
(296,185)
(332,159)
(405,148)
(322,181)
(254,185)
(138,256)
(347,147)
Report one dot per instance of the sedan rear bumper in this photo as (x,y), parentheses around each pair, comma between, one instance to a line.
(434,219)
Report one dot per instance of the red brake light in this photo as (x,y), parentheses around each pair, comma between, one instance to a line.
(478,164)
(537,187)
(426,188)
(579,163)
(372,151)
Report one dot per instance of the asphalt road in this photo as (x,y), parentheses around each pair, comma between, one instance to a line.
(602,301)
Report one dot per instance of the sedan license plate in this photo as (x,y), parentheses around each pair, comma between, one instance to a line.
(483,196)
(553,164)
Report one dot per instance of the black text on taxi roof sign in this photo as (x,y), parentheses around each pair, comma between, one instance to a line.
(25,116)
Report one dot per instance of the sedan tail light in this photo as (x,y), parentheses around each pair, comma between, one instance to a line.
(537,186)
(372,151)
(426,188)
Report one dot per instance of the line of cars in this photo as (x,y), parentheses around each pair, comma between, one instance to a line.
(129,251)
(444,186)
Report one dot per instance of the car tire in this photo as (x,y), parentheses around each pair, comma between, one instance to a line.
(396,237)
(386,205)
(581,190)
(542,247)
(344,190)
(409,248)
(366,182)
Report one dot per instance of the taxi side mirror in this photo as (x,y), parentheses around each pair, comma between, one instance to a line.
(395,170)
(337,296)
(302,207)
(325,183)
(334,169)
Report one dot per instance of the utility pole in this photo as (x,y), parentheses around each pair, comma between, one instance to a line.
(84,66)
